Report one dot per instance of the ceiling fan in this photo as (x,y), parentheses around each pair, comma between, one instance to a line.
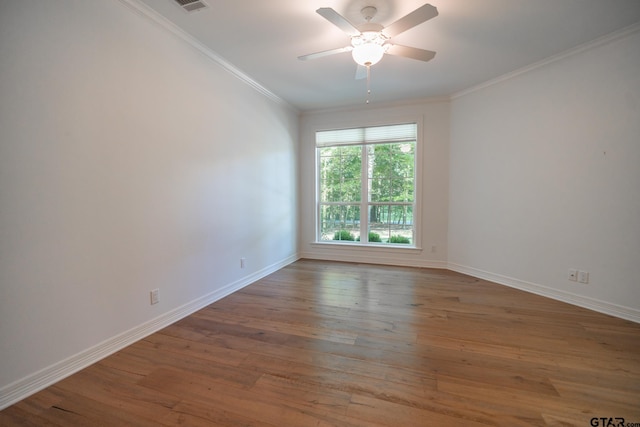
(370,41)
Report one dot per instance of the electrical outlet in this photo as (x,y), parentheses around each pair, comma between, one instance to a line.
(573,275)
(583,276)
(242,262)
(154,296)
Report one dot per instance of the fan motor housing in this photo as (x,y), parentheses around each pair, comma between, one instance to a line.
(370,27)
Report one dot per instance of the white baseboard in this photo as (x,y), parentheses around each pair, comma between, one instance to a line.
(37,381)
(605,307)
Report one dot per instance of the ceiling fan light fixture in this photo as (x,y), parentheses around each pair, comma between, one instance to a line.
(367,54)
(368,47)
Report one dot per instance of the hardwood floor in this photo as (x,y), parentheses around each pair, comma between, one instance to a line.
(335,344)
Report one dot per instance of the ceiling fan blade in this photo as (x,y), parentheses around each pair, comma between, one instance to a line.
(325,53)
(411,52)
(338,20)
(361,72)
(418,16)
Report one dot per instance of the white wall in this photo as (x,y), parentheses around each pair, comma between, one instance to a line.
(433,162)
(545,176)
(128,161)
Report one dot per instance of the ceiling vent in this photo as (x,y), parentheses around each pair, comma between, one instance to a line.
(191,5)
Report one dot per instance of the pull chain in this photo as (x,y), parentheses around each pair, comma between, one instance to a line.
(368,82)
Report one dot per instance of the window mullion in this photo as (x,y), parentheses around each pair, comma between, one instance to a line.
(364,195)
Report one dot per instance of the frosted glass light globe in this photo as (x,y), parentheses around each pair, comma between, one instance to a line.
(367,54)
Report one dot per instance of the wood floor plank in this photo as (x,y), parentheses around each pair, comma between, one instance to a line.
(193,349)
(236,400)
(302,327)
(207,414)
(79,410)
(118,390)
(322,343)
(395,414)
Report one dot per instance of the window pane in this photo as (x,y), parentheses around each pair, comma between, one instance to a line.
(401,224)
(339,222)
(350,191)
(388,190)
(380,160)
(351,151)
(392,223)
(401,190)
(392,172)
(327,151)
(380,190)
(340,179)
(378,222)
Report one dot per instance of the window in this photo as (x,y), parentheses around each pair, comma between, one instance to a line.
(366,185)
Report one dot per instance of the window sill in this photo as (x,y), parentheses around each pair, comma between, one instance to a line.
(367,246)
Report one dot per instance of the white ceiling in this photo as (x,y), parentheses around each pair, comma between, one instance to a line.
(475,41)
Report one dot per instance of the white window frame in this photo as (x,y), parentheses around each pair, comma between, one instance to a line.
(364,203)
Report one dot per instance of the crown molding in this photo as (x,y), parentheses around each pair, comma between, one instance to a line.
(145,11)
(606,39)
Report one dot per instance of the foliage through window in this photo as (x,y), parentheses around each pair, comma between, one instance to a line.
(367,178)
